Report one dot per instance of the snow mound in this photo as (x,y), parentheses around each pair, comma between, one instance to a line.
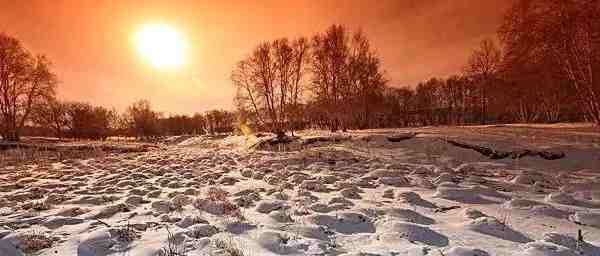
(586,218)
(345,222)
(209,206)
(352,193)
(463,195)
(519,203)
(311,231)
(279,243)
(444,177)
(394,181)
(388,193)
(201,230)
(408,197)
(491,226)
(55,222)
(568,199)
(99,242)
(546,249)
(135,200)
(475,179)
(408,215)
(281,216)
(465,251)
(397,231)
(189,221)
(380,173)
(423,183)
(560,198)
(192,141)
(273,205)
(108,211)
(489,192)
(448,184)
(470,213)
(313,185)
(162,206)
(550,211)
(571,243)
(533,177)
(582,186)
(320,207)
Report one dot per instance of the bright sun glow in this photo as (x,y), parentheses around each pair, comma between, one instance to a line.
(162,45)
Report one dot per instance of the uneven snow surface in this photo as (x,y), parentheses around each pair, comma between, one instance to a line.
(361,195)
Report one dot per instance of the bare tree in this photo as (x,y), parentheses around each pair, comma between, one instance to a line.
(247,96)
(566,31)
(255,78)
(219,121)
(300,57)
(365,79)
(457,91)
(25,81)
(346,77)
(398,103)
(143,121)
(182,125)
(52,115)
(198,124)
(483,66)
(329,62)
(270,82)
(426,101)
(85,121)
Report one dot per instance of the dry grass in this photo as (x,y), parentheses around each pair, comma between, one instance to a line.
(36,151)
(24,156)
(217,194)
(173,246)
(34,241)
(126,233)
(228,246)
(38,206)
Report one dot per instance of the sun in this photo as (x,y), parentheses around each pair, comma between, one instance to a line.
(161,45)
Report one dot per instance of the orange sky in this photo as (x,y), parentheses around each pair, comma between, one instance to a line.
(91,41)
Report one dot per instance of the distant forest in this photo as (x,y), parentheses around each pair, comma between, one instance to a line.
(543,68)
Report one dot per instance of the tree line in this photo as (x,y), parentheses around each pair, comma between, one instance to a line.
(541,69)
(80,120)
(29,106)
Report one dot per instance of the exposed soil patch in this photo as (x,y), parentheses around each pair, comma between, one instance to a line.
(497,154)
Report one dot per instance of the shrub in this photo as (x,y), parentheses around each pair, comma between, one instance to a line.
(34,241)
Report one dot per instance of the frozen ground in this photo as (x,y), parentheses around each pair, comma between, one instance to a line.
(360,195)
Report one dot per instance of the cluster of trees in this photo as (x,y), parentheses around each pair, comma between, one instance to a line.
(84,121)
(344,83)
(74,119)
(554,45)
(541,69)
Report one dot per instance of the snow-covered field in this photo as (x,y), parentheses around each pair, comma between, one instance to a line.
(359,195)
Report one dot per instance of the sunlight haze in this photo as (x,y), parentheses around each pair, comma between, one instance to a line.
(89,42)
